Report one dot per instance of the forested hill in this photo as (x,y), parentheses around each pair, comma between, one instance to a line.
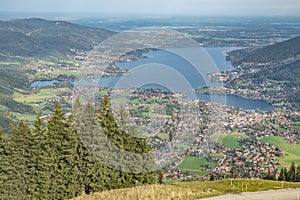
(37,37)
(276,53)
(70,155)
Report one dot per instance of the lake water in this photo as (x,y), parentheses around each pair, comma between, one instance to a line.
(43,83)
(236,101)
(178,70)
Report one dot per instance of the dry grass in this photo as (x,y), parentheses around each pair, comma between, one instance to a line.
(150,192)
(187,191)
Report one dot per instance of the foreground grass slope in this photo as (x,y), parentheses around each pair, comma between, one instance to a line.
(189,190)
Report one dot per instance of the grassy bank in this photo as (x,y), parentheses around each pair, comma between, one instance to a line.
(189,190)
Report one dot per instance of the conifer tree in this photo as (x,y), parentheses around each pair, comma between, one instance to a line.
(131,155)
(282,176)
(73,152)
(58,160)
(286,174)
(65,150)
(40,184)
(298,174)
(19,173)
(55,129)
(95,174)
(292,173)
(106,119)
(4,166)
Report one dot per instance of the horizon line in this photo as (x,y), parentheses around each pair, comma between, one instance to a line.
(146,15)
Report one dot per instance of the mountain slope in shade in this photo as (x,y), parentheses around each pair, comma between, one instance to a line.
(275,53)
(38,37)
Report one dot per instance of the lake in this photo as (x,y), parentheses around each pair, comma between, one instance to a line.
(178,70)
(43,83)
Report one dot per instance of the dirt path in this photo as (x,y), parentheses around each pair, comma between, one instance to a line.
(285,194)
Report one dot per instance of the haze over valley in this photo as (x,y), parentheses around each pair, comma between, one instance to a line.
(110,101)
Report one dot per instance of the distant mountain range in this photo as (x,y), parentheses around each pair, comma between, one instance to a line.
(41,38)
(276,53)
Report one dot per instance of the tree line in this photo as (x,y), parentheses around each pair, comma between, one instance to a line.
(291,175)
(71,155)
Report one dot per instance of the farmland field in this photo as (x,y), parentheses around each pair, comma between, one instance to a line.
(195,165)
(297,128)
(292,151)
(37,101)
(231,140)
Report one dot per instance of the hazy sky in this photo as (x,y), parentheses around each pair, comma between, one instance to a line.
(155,7)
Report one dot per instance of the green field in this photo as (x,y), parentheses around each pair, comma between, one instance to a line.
(181,146)
(203,90)
(296,127)
(153,106)
(102,92)
(189,190)
(24,117)
(162,100)
(195,165)
(72,73)
(230,140)
(6,88)
(119,101)
(155,115)
(292,151)
(163,136)
(2,108)
(10,63)
(135,101)
(217,155)
(36,101)
(35,98)
(281,129)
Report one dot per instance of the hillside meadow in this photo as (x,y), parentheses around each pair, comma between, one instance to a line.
(292,152)
(189,190)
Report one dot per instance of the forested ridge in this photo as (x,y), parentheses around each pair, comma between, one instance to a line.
(272,54)
(36,37)
(283,80)
(273,71)
(53,160)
